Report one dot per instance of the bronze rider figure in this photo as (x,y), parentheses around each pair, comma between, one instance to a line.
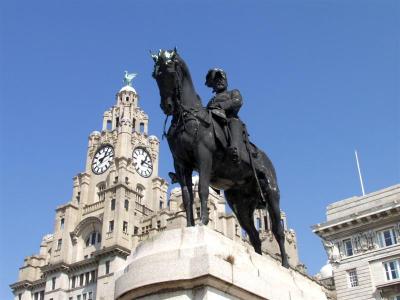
(226,105)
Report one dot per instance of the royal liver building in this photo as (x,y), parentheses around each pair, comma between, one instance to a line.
(117,202)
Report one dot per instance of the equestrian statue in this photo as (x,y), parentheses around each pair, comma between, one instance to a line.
(214,142)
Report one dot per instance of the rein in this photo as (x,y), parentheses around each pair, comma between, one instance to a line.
(182,110)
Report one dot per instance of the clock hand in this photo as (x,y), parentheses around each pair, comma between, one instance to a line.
(147,164)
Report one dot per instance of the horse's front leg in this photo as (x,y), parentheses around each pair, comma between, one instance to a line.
(184,177)
(204,182)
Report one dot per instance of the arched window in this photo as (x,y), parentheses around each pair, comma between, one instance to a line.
(133,125)
(93,238)
(139,193)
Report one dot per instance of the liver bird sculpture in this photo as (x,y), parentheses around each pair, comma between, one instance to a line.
(128,77)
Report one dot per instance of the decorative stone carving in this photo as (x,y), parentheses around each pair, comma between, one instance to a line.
(126,121)
(397,230)
(332,250)
(290,236)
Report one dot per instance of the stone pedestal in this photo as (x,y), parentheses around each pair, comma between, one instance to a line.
(199,263)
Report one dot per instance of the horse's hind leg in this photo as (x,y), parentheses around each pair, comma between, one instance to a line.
(244,211)
(185,180)
(277,228)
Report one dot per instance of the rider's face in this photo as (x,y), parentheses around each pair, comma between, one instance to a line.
(219,83)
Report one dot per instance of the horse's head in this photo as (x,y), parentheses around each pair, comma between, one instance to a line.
(167,75)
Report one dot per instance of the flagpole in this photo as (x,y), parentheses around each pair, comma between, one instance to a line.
(359,173)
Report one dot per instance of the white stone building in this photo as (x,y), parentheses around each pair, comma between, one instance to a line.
(118,201)
(362,239)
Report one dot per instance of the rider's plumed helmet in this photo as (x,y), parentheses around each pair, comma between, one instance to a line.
(212,73)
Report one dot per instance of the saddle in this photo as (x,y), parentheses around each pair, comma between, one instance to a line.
(218,120)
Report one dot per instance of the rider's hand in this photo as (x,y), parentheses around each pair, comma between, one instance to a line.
(214,106)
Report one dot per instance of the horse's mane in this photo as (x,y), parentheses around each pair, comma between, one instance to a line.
(186,73)
(184,68)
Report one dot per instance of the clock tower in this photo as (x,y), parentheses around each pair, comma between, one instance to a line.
(94,232)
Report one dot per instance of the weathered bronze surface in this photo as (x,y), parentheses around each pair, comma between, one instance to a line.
(214,142)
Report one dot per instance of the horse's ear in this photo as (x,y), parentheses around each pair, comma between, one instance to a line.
(174,52)
(154,56)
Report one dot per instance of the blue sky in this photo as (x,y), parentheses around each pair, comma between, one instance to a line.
(318,78)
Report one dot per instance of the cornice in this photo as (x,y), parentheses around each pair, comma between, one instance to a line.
(64,206)
(24,284)
(27,284)
(83,264)
(357,219)
(113,250)
(53,268)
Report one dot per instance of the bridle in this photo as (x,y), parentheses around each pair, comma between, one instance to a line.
(180,111)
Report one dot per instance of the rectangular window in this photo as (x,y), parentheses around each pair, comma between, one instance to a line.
(19,296)
(353,279)
(126,205)
(161,204)
(53,283)
(93,238)
(387,237)
(78,297)
(125,226)
(73,282)
(348,247)
(84,296)
(112,204)
(107,267)
(90,296)
(41,295)
(395,297)
(266,223)
(59,243)
(36,296)
(392,269)
(158,224)
(135,230)
(92,276)
(87,278)
(81,278)
(111,226)
(62,223)
(258,224)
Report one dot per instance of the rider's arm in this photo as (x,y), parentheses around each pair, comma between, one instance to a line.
(234,103)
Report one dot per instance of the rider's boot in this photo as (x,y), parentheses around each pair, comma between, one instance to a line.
(236,131)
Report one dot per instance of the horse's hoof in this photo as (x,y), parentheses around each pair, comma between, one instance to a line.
(204,220)
(285,264)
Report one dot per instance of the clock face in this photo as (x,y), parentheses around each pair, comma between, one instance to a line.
(102,159)
(142,162)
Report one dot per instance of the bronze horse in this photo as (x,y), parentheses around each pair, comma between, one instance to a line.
(192,141)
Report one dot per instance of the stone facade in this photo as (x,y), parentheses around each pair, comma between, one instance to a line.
(116,205)
(362,239)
